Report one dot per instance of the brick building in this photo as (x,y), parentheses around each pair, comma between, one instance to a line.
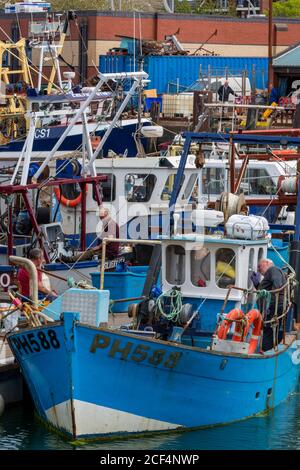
(95,32)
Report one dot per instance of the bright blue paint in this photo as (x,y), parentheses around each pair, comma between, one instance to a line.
(120,139)
(122,285)
(165,69)
(297,230)
(201,390)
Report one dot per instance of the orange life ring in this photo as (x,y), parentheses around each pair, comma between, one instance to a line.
(65,201)
(234,315)
(254,317)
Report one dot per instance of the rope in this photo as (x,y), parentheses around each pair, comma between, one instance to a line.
(174,296)
(264,295)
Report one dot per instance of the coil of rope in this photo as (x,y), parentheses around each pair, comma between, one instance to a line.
(174,298)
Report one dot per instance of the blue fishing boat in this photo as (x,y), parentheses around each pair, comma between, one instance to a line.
(90,381)
(189,356)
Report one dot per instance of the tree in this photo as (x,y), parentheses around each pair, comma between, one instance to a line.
(286,8)
(182,6)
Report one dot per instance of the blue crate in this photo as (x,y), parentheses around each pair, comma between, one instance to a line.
(122,285)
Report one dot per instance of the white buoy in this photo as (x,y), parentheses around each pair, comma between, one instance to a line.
(2,405)
(152,131)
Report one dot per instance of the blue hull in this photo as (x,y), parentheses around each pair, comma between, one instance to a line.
(93,383)
(120,139)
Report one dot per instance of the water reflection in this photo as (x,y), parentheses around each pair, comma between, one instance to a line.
(280,429)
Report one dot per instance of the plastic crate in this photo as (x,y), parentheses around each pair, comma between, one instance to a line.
(122,285)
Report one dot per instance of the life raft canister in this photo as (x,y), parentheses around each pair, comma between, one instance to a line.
(235,315)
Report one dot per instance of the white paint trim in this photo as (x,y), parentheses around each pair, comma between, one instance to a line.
(91,419)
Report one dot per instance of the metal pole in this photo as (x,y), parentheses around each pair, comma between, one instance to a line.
(114,121)
(297,224)
(70,126)
(83,217)
(270,45)
(35,226)
(10,231)
(232,165)
(28,151)
(19,161)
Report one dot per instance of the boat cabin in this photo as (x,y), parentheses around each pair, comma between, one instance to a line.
(204,267)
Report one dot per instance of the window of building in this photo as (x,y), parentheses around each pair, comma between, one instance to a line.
(213,180)
(139,188)
(175,264)
(225,267)
(200,267)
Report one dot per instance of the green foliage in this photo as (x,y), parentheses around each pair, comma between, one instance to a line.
(202,7)
(286,8)
(183,6)
(61,5)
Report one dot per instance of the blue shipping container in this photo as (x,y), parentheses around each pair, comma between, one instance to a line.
(182,71)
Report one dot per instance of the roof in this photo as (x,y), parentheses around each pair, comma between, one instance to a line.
(288,58)
(213,239)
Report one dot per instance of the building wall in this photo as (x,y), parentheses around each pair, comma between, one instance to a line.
(234,37)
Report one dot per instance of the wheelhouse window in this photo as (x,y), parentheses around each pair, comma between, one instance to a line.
(191,190)
(168,188)
(200,267)
(107,188)
(225,267)
(257,181)
(251,266)
(213,180)
(260,255)
(175,264)
(139,187)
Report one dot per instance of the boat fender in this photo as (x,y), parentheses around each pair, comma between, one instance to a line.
(235,315)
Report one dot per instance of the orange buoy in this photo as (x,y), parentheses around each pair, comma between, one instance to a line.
(95,141)
(254,318)
(235,315)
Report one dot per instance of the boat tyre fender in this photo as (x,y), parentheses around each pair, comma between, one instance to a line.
(235,315)
(65,201)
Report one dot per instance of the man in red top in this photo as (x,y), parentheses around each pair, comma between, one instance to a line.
(36,256)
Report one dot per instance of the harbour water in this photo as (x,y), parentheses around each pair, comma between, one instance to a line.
(280,429)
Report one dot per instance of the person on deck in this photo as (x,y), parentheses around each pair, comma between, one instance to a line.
(274,95)
(224,91)
(36,256)
(273,278)
(110,229)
